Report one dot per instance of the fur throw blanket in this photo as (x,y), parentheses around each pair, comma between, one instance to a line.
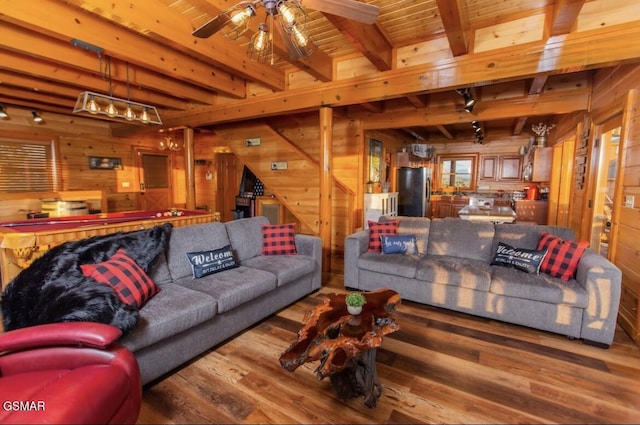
(54,289)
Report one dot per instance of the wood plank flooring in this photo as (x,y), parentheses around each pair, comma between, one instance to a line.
(442,367)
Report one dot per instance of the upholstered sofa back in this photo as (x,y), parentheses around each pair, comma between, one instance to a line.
(471,239)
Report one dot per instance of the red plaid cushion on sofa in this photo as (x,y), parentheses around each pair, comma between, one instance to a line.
(279,239)
(386,228)
(133,286)
(562,256)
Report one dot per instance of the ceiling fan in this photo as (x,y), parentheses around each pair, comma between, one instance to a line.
(290,19)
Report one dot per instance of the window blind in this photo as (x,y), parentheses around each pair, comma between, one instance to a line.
(27,166)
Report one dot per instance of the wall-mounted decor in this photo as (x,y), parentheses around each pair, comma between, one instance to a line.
(375,160)
(105,163)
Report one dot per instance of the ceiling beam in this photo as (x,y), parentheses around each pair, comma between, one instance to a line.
(564,16)
(370,40)
(52,18)
(454,27)
(570,53)
(445,132)
(54,83)
(549,104)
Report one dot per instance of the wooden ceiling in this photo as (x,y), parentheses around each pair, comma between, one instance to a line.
(525,60)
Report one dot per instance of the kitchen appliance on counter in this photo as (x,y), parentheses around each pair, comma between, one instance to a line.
(414,191)
(532,192)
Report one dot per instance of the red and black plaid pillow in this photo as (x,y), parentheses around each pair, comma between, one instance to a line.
(279,239)
(133,286)
(562,256)
(387,228)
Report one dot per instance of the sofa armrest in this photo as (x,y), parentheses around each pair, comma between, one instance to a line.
(311,246)
(603,282)
(354,246)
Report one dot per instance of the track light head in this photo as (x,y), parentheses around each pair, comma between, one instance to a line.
(37,118)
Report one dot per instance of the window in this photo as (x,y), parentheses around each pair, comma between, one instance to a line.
(457,171)
(27,166)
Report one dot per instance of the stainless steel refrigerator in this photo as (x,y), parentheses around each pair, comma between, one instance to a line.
(414,191)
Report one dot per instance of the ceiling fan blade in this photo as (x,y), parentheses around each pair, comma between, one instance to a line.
(212,27)
(350,9)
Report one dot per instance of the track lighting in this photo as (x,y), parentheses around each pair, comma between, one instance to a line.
(37,118)
(3,112)
(477,131)
(469,100)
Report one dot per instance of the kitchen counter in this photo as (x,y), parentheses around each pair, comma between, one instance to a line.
(496,214)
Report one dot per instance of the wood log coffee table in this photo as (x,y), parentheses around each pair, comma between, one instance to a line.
(344,344)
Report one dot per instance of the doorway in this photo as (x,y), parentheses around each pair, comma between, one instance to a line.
(606,155)
(155,180)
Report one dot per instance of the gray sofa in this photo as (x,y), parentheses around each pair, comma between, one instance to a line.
(452,270)
(188,316)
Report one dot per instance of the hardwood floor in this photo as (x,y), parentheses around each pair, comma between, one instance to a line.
(440,367)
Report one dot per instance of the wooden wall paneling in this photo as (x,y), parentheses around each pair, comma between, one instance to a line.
(297,187)
(625,221)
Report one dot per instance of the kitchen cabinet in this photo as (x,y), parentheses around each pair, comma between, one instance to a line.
(488,166)
(510,168)
(379,204)
(538,168)
(447,206)
(500,168)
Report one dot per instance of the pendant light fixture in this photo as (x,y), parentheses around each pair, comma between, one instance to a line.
(109,107)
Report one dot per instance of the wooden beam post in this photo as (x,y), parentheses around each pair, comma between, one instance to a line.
(190,178)
(326,153)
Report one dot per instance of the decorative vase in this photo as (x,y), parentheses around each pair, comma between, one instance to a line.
(541,141)
(354,311)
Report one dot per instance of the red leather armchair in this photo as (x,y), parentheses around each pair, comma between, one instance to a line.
(68,373)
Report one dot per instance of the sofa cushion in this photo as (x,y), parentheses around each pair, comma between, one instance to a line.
(132,285)
(418,226)
(461,238)
(204,263)
(514,283)
(456,271)
(199,237)
(246,236)
(563,257)
(173,310)
(376,230)
(233,287)
(287,268)
(398,244)
(159,270)
(525,235)
(279,239)
(397,265)
(526,260)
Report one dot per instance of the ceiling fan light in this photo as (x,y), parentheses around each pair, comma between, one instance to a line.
(261,47)
(288,12)
(239,18)
(301,37)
